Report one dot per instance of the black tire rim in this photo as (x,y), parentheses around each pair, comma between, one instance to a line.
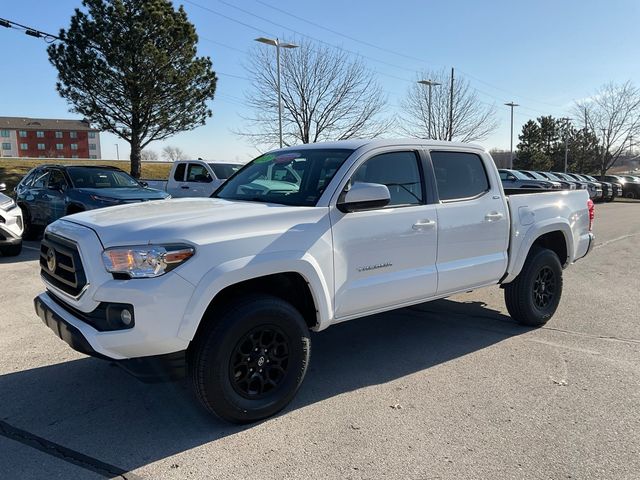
(259,362)
(544,288)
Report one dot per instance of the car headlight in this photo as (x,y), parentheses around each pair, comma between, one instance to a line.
(145,261)
(99,198)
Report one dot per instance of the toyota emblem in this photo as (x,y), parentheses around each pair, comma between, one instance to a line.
(51,260)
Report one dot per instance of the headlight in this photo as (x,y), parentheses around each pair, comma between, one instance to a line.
(99,198)
(145,261)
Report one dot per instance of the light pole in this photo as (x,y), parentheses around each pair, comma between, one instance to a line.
(117,151)
(276,43)
(429,84)
(511,104)
(566,145)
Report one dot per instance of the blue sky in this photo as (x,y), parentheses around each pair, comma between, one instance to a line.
(543,54)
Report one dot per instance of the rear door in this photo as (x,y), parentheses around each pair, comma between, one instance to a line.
(176,181)
(473,222)
(386,257)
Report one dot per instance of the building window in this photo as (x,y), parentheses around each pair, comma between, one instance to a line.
(92,134)
(74,146)
(40,134)
(23,134)
(41,146)
(59,146)
(6,146)
(92,146)
(4,133)
(93,157)
(24,146)
(73,134)
(58,134)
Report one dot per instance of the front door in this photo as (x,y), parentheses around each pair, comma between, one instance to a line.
(386,257)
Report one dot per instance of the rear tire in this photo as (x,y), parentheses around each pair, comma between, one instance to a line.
(630,195)
(250,361)
(11,250)
(533,297)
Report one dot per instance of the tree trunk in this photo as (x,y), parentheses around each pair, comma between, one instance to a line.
(136,165)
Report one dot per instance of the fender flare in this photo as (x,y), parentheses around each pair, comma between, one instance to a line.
(247,268)
(517,259)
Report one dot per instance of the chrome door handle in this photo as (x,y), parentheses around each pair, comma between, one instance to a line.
(422,224)
(493,216)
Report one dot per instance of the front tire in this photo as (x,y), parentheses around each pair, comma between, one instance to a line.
(533,297)
(250,361)
(11,250)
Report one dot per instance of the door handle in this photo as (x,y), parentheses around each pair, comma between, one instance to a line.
(423,224)
(493,216)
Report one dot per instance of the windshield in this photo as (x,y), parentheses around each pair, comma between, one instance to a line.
(91,177)
(551,176)
(224,170)
(629,178)
(535,175)
(288,177)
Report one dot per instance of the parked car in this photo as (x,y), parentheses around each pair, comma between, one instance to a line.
(609,190)
(227,288)
(195,178)
(564,184)
(10,225)
(618,191)
(516,179)
(580,184)
(49,192)
(630,189)
(594,188)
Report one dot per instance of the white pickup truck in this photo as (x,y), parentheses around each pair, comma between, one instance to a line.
(228,288)
(194,178)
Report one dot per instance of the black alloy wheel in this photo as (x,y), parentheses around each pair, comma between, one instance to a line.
(544,288)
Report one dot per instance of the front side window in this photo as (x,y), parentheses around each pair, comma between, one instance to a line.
(40,134)
(459,175)
(198,173)
(41,179)
(57,180)
(399,171)
(287,177)
(6,146)
(4,133)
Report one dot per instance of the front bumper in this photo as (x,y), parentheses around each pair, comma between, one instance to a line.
(148,369)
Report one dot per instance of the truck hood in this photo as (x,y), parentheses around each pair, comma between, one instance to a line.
(125,193)
(191,220)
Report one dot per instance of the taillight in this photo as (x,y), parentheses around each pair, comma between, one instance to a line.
(592,213)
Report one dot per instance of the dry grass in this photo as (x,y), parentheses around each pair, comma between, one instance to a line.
(13,169)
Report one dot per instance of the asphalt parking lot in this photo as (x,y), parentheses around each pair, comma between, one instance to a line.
(451,389)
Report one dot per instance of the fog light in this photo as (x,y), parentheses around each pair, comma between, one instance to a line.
(125,317)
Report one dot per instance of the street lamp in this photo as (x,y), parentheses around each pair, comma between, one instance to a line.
(276,43)
(429,84)
(511,104)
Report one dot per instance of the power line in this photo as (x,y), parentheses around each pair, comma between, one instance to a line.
(31,31)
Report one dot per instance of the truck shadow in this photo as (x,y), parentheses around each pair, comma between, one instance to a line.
(97,409)
(29,253)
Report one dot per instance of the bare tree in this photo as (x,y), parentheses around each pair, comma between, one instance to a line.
(149,155)
(613,115)
(471,119)
(325,96)
(171,154)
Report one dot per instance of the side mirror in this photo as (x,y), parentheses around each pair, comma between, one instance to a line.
(144,184)
(3,187)
(364,196)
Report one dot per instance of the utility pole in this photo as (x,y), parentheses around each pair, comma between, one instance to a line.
(566,144)
(511,104)
(451,108)
(602,168)
(429,84)
(117,151)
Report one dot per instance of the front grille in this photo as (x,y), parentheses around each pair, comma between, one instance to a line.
(60,264)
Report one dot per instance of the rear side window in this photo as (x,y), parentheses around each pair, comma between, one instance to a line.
(178,175)
(459,175)
(399,172)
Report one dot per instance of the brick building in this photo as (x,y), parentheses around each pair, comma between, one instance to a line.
(48,138)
